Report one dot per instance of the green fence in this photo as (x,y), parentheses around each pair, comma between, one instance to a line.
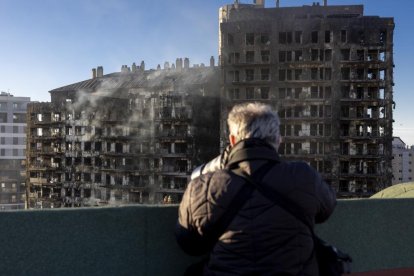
(139,240)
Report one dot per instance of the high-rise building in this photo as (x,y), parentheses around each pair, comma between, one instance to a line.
(12,151)
(402,162)
(128,137)
(329,72)
(136,135)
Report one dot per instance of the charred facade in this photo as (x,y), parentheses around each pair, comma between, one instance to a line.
(329,72)
(128,137)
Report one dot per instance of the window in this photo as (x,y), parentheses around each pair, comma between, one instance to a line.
(19,118)
(234,93)
(3,105)
(3,129)
(282,74)
(328,55)
(234,58)
(298,55)
(314,37)
(3,117)
(289,38)
(2,152)
(264,39)
(249,39)
(282,56)
(264,93)
(328,38)
(345,73)
(15,152)
(282,37)
(3,140)
(265,74)
(265,56)
(288,56)
(343,36)
(328,73)
(15,141)
(298,37)
(15,129)
(345,54)
(314,54)
(230,39)
(249,93)
(298,74)
(282,93)
(249,74)
(328,92)
(314,73)
(250,56)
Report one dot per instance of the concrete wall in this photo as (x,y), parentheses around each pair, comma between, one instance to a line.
(139,240)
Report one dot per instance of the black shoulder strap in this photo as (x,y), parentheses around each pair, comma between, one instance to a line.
(281,201)
(237,203)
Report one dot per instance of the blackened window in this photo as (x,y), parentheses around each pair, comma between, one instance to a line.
(314,37)
(230,39)
(249,93)
(328,36)
(250,56)
(298,37)
(264,93)
(264,39)
(250,39)
(343,36)
(249,74)
(282,37)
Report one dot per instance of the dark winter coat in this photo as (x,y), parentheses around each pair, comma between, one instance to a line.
(263,238)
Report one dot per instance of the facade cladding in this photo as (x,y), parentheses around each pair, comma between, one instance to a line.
(12,151)
(128,137)
(135,136)
(329,72)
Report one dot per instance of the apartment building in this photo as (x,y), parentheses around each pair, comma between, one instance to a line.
(12,151)
(128,137)
(402,162)
(329,72)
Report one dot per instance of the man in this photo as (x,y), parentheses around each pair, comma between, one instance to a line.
(262,238)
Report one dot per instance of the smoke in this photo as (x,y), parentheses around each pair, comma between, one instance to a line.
(127,106)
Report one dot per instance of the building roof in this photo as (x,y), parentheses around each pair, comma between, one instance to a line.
(403,190)
(150,78)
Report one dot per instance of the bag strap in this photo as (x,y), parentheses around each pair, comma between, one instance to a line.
(281,201)
(292,208)
(237,203)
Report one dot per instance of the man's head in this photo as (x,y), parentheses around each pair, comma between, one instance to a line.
(254,120)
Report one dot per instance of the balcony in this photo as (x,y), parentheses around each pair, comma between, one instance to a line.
(369,230)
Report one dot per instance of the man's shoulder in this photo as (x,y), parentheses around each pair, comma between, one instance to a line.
(297,168)
(218,176)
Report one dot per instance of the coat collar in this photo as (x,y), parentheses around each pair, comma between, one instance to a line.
(251,149)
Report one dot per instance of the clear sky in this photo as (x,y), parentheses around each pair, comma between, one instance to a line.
(45,44)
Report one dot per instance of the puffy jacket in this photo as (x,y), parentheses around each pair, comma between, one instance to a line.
(263,238)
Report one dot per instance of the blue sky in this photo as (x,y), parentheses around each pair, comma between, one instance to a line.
(45,44)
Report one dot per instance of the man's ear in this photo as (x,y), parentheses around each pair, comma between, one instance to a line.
(232,140)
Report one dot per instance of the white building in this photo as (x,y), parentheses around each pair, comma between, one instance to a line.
(403,162)
(12,151)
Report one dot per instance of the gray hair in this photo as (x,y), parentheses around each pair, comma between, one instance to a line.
(255,120)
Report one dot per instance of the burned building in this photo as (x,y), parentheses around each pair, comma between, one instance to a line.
(127,137)
(329,72)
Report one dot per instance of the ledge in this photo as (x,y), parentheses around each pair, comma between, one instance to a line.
(139,240)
